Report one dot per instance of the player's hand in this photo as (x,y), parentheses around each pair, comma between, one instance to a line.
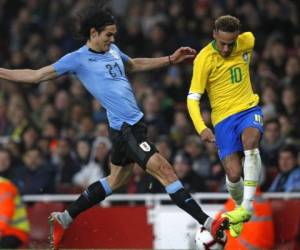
(208,136)
(182,54)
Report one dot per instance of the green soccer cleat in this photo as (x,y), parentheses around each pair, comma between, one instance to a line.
(235,230)
(238,215)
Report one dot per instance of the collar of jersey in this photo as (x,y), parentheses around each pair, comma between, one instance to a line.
(213,44)
(97,52)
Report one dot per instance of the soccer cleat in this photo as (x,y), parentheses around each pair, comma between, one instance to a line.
(56,231)
(218,226)
(235,230)
(237,215)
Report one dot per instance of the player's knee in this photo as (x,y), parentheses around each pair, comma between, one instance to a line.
(250,142)
(116,182)
(168,173)
(162,171)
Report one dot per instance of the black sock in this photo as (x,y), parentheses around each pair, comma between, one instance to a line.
(91,196)
(185,201)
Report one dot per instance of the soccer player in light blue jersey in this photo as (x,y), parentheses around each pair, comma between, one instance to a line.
(101,67)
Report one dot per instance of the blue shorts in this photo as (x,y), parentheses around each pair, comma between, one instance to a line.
(228,132)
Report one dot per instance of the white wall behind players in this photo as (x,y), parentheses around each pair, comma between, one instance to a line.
(175,229)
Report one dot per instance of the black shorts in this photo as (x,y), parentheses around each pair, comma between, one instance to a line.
(130,145)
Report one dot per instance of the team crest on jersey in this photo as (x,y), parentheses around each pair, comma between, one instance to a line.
(114,54)
(145,146)
(246,57)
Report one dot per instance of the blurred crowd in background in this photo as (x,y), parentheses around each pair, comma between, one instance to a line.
(54,136)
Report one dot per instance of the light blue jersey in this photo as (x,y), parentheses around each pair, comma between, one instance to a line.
(103,75)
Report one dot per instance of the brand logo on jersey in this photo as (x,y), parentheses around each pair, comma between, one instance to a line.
(246,57)
(258,120)
(145,146)
(93,59)
(114,54)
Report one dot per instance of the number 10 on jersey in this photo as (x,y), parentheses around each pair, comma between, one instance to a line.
(236,74)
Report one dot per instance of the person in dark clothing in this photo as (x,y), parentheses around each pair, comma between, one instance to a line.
(189,178)
(34,176)
(288,178)
(7,168)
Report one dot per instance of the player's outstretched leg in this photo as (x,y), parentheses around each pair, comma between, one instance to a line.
(236,219)
(60,221)
(240,214)
(218,226)
(235,230)
(185,201)
(160,168)
(236,190)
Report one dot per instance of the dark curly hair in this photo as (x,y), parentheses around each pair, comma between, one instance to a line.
(95,15)
(227,24)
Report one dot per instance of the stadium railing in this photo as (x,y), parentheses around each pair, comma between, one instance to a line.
(150,199)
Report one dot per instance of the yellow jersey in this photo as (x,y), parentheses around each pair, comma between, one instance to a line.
(226,80)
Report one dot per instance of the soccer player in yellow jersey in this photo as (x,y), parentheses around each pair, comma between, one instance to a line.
(222,70)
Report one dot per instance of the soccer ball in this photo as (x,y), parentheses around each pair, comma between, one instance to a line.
(205,241)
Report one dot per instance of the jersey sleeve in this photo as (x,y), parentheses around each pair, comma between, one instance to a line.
(199,80)
(67,64)
(124,57)
(246,41)
(200,74)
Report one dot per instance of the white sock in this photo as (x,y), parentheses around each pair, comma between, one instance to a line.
(236,190)
(208,223)
(65,219)
(252,169)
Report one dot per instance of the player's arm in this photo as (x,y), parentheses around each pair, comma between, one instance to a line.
(28,75)
(143,64)
(198,84)
(67,64)
(193,105)
(197,88)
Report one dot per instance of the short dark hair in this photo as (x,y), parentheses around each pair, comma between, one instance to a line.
(95,15)
(272,121)
(291,148)
(5,150)
(227,23)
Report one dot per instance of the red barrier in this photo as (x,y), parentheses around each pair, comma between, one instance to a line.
(286,216)
(111,228)
(38,215)
(127,227)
